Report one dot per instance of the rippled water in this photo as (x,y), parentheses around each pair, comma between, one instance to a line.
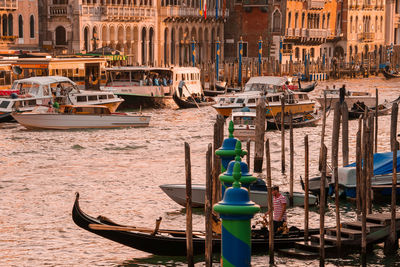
(118,173)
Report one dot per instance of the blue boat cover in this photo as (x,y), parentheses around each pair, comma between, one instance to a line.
(383,163)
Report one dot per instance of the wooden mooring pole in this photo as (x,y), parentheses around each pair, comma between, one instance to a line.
(283,134)
(208,207)
(370,162)
(216,167)
(365,148)
(189,226)
(376,121)
(358,167)
(334,158)
(270,205)
(260,131)
(322,207)
(345,134)
(291,146)
(392,243)
(322,132)
(248,146)
(306,172)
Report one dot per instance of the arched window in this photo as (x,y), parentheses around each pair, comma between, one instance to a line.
(32,27)
(60,36)
(10,25)
(276,24)
(312,52)
(351,24)
(303,19)
(20,27)
(289,20)
(297,53)
(296,18)
(5,27)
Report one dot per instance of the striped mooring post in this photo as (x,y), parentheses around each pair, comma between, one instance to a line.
(236,211)
(227,152)
(246,178)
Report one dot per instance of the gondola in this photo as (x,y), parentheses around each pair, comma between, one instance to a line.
(173,243)
(190,103)
(390,75)
(308,88)
(306,120)
(213,92)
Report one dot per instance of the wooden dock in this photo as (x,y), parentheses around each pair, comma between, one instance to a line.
(378,229)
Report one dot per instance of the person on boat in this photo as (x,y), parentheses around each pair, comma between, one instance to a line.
(342,94)
(279,202)
(156,83)
(164,81)
(180,86)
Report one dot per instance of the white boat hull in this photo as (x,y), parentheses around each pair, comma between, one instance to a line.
(73,121)
(177,192)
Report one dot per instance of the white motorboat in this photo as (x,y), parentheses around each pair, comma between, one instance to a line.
(244,124)
(352,98)
(177,192)
(49,89)
(79,117)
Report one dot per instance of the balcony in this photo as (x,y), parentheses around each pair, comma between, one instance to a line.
(289,32)
(287,52)
(8,4)
(316,4)
(366,37)
(255,3)
(58,10)
(8,39)
(175,11)
(123,13)
(369,6)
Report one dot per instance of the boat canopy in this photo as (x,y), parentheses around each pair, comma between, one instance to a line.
(383,163)
(265,83)
(45,80)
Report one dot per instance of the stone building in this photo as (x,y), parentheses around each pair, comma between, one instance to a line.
(18,26)
(248,19)
(392,22)
(149,32)
(306,28)
(363,29)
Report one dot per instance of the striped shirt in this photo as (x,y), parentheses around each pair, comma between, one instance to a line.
(278,207)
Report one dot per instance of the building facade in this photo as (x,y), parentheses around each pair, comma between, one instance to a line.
(149,32)
(392,20)
(363,28)
(19,25)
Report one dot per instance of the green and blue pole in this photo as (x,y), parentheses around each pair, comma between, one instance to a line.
(240,61)
(280,50)
(217,59)
(236,211)
(194,52)
(259,55)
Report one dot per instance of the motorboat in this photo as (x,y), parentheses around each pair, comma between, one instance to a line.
(50,89)
(78,117)
(271,89)
(177,192)
(383,168)
(351,98)
(244,124)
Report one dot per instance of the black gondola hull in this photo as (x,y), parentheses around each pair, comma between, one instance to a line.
(189,104)
(171,245)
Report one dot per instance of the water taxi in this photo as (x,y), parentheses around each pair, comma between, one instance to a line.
(49,89)
(244,124)
(78,117)
(270,88)
(150,86)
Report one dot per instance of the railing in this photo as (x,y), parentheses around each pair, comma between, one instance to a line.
(175,11)
(316,4)
(289,32)
(58,10)
(366,36)
(125,13)
(8,4)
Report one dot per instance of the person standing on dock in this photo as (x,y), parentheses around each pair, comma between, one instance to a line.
(342,93)
(279,208)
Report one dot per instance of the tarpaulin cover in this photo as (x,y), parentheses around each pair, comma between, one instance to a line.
(383,163)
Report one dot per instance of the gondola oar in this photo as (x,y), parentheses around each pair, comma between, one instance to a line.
(137,229)
(194,100)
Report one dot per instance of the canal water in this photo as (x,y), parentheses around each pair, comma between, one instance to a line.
(118,173)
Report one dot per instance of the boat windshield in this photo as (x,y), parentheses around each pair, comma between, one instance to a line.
(261,87)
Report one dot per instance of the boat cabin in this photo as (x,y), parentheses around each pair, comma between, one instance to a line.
(266,84)
(86,109)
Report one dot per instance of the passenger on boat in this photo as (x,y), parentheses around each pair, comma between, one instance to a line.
(164,81)
(279,210)
(156,83)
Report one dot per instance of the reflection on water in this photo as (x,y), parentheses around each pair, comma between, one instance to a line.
(118,173)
